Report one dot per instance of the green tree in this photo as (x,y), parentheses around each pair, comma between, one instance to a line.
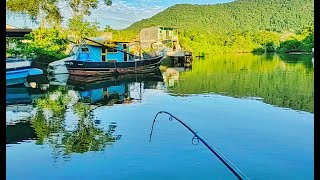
(49,11)
(80,27)
(46,11)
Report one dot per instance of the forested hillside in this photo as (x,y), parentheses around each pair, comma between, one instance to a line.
(240,26)
(275,15)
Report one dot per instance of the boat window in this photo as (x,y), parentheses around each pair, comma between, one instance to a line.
(85,49)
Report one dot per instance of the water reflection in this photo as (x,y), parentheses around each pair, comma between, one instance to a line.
(62,116)
(19,132)
(69,118)
(111,90)
(285,80)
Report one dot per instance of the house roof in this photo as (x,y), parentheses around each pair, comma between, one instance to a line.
(12,31)
(160,27)
(167,27)
(10,27)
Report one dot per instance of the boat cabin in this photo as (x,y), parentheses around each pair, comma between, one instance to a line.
(113,51)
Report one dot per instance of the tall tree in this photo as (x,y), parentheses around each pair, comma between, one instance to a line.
(44,10)
(49,10)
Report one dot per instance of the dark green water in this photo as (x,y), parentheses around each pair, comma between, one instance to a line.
(256,109)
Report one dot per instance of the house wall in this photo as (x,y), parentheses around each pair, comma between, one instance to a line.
(155,34)
(149,34)
(162,33)
(119,56)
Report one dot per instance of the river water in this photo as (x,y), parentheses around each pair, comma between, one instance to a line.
(256,109)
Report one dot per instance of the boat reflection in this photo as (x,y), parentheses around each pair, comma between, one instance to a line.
(112,90)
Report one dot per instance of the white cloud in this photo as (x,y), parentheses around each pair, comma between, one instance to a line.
(126,12)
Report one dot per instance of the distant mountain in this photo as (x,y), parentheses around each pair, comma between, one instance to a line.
(240,15)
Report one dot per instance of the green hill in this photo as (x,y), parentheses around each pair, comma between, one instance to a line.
(239,26)
(275,15)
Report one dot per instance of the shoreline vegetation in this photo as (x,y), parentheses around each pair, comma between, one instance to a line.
(241,26)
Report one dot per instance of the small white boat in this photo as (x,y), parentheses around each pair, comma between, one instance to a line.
(58,67)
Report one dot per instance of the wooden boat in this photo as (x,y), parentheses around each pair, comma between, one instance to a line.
(101,59)
(102,68)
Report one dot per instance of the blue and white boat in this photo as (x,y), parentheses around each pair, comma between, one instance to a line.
(17,71)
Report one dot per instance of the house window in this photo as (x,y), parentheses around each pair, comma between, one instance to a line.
(84,49)
(112,49)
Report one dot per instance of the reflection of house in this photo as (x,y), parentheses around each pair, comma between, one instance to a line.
(171,76)
(157,36)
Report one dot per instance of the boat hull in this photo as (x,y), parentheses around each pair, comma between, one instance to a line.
(59,67)
(19,76)
(86,68)
(16,77)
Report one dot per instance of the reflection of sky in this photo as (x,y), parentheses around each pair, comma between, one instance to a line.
(264,141)
(122,13)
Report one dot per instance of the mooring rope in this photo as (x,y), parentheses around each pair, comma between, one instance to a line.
(197,136)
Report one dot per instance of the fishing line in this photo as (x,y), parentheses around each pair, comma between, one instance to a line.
(195,141)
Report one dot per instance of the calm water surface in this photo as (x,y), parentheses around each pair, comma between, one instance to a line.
(256,109)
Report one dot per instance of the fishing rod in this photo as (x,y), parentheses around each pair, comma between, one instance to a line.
(197,136)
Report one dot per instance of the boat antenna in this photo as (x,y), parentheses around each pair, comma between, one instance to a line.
(198,137)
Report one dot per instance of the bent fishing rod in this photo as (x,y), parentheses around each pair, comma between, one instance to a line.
(197,136)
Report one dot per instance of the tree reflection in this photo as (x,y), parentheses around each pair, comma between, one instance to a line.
(276,81)
(49,123)
(86,136)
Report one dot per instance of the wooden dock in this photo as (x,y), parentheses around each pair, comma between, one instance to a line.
(181,58)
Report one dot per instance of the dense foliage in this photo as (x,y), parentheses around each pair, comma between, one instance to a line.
(79,28)
(45,45)
(50,11)
(274,15)
(240,26)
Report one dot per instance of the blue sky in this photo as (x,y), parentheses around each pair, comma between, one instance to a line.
(121,14)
